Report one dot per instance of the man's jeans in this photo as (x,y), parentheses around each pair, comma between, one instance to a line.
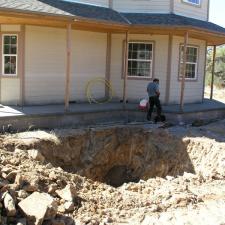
(154,101)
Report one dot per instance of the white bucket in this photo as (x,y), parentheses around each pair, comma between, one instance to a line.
(143,105)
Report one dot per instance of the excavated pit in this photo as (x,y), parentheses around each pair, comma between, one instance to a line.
(117,155)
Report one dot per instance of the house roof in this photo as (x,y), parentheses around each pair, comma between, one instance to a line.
(170,20)
(63,8)
(91,12)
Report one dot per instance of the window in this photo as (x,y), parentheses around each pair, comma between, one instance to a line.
(9,60)
(140,59)
(191,63)
(193,2)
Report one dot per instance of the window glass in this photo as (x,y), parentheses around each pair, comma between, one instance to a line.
(191,63)
(10,54)
(140,59)
(194,2)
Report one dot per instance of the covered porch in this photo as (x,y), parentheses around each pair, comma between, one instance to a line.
(172,29)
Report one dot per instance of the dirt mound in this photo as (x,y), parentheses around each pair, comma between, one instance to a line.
(172,173)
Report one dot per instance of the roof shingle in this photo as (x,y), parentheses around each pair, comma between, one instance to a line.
(170,20)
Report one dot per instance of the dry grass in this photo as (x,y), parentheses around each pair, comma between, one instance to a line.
(219,94)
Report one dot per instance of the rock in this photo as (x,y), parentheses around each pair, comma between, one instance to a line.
(11,176)
(22,194)
(5,170)
(68,221)
(3,183)
(15,161)
(3,221)
(36,155)
(52,175)
(22,221)
(19,180)
(108,220)
(69,206)
(38,207)
(61,209)
(68,193)
(170,178)
(58,222)
(9,204)
(49,166)
(52,188)
(19,152)
(32,186)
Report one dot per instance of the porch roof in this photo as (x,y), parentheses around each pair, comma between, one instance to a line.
(170,20)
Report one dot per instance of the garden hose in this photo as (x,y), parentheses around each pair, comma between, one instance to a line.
(91,98)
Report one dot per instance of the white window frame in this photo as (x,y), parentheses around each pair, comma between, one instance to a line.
(192,63)
(15,55)
(142,60)
(192,3)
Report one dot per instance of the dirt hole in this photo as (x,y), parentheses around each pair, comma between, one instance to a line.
(118,175)
(114,155)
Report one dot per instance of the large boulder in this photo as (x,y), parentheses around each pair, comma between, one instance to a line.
(38,207)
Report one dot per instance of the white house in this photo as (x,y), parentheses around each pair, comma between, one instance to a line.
(51,49)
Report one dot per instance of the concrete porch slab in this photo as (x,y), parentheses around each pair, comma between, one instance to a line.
(53,116)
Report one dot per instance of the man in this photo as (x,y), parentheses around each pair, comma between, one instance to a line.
(153,93)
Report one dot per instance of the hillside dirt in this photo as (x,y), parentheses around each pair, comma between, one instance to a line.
(133,174)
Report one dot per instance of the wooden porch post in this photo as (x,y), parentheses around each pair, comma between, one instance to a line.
(108,62)
(169,64)
(22,66)
(110,4)
(125,72)
(68,66)
(213,71)
(183,72)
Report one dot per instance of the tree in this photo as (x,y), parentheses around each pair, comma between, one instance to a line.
(219,65)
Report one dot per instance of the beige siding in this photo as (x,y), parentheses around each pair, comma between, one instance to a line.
(143,6)
(198,12)
(104,3)
(89,62)
(45,51)
(45,64)
(5,28)
(193,89)
(10,86)
(136,89)
(10,91)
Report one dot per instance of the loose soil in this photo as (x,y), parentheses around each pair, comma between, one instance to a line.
(134,174)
